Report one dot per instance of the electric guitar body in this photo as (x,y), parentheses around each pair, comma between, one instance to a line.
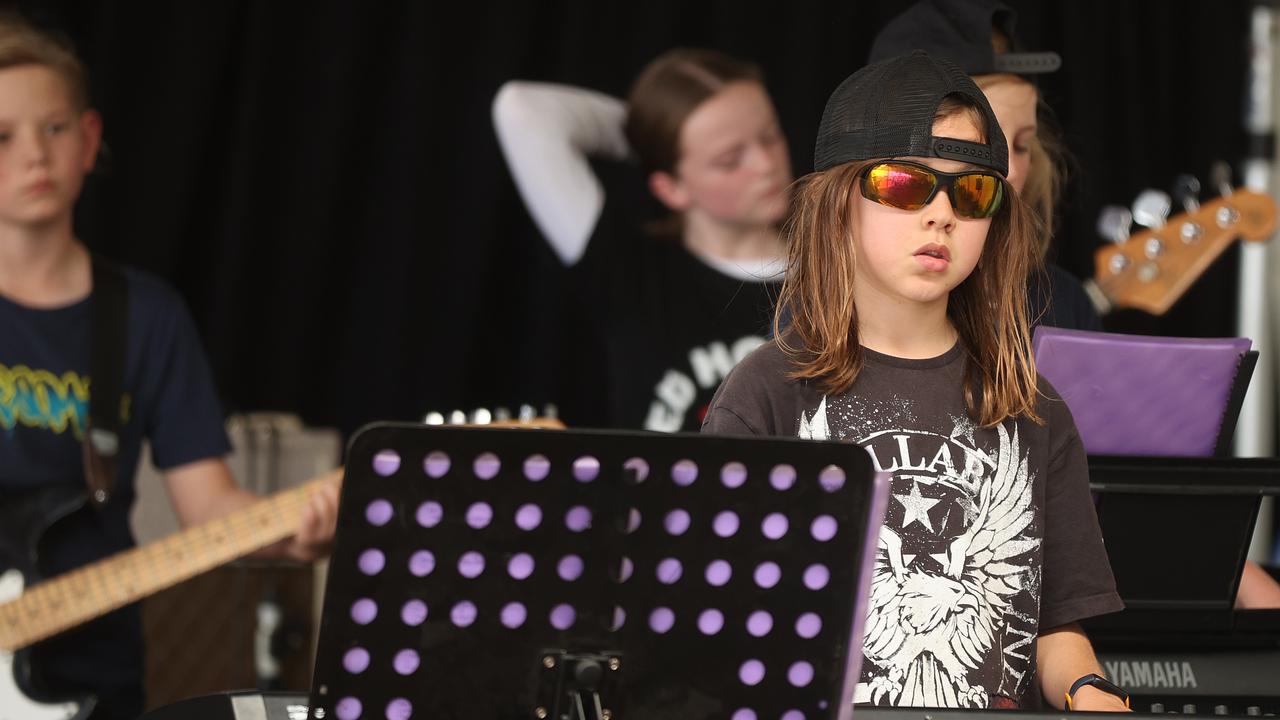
(25,519)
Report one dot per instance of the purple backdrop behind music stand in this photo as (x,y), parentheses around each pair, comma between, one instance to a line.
(1139,395)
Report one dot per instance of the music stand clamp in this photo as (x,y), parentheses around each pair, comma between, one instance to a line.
(578,685)
(517,574)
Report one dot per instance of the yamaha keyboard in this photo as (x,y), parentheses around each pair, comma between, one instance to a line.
(1177,532)
(1216,682)
(1200,663)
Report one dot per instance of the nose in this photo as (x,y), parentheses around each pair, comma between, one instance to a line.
(759,160)
(938,214)
(35,150)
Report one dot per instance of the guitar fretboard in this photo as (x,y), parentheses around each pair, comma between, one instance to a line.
(81,595)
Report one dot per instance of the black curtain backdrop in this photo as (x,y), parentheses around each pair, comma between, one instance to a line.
(321,183)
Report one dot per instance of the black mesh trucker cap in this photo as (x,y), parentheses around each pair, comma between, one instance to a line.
(886,110)
(960,30)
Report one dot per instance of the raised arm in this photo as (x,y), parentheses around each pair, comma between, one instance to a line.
(547,133)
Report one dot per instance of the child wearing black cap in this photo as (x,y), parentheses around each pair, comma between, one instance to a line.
(978,36)
(908,334)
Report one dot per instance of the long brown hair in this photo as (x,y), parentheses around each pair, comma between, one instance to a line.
(667,92)
(988,309)
(1048,173)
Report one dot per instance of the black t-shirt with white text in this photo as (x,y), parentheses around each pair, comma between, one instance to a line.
(662,329)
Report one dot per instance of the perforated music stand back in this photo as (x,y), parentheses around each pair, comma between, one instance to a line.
(482,573)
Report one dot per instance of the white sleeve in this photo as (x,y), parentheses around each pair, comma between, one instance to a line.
(547,132)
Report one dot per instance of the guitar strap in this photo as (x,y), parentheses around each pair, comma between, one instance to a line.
(109,308)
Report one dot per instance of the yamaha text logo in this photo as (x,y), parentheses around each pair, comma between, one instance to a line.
(1144,675)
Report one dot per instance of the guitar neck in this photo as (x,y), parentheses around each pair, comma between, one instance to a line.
(81,595)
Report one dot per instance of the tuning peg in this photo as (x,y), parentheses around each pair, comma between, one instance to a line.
(527,413)
(1114,223)
(501,414)
(1151,207)
(1186,192)
(550,411)
(433,418)
(457,417)
(481,416)
(1220,178)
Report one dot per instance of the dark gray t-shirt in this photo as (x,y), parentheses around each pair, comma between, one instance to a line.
(990,534)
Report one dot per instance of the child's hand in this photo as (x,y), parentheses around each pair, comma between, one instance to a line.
(319,523)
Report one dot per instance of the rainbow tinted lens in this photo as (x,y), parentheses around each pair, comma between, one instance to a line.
(910,186)
(976,195)
(906,187)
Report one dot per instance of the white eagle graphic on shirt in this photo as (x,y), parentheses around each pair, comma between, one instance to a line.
(942,629)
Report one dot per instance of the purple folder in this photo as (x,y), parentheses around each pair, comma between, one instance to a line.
(1141,395)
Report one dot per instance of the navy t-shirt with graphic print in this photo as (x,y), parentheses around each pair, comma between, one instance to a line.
(989,538)
(169,398)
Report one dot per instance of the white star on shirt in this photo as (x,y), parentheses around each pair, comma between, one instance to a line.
(915,508)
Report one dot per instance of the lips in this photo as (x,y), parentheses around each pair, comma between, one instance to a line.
(934,250)
(934,257)
(39,187)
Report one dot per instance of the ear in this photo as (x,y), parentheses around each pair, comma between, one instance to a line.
(90,128)
(668,189)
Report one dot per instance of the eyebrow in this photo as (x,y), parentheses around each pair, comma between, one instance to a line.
(731,150)
(771,126)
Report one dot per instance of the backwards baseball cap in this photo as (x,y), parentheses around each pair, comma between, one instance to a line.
(887,110)
(960,30)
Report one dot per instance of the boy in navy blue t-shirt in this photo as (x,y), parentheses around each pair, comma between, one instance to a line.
(49,140)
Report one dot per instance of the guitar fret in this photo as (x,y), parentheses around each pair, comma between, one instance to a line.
(99,588)
(9,623)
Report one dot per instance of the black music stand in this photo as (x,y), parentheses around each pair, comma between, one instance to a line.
(522,574)
(1177,531)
